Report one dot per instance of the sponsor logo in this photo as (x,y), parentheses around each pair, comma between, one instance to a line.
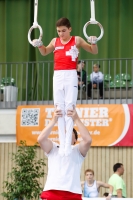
(57,48)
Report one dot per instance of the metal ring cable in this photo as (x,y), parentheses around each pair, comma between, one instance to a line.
(93,21)
(35,24)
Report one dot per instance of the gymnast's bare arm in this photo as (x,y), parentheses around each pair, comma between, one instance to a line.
(48,49)
(86,142)
(45,143)
(81,43)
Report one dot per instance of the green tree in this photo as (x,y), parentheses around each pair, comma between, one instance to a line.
(23,181)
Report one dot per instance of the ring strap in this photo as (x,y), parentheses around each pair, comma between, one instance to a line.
(35,23)
(93,21)
(35,13)
(92,3)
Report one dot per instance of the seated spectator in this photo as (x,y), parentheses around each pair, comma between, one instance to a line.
(81,73)
(96,81)
(91,187)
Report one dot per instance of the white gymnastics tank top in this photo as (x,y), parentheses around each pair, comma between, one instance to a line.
(91,191)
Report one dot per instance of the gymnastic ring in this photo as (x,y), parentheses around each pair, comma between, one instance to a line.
(93,22)
(30,30)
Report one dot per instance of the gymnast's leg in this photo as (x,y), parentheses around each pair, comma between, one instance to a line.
(71,91)
(58,91)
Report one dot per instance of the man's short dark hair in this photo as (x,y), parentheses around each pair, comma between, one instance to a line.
(63,22)
(116,166)
(75,133)
(81,61)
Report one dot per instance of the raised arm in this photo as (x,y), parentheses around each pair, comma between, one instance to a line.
(81,43)
(44,50)
(86,142)
(45,143)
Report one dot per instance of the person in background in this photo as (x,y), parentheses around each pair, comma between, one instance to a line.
(81,75)
(105,194)
(117,182)
(91,187)
(96,81)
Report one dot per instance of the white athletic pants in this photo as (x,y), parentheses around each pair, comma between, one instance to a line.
(65,88)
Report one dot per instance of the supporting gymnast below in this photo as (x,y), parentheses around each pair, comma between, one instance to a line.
(63,179)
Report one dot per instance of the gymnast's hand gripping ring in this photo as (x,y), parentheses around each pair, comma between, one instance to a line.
(30,30)
(93,21)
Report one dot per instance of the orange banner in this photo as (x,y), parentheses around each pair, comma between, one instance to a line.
(107,124)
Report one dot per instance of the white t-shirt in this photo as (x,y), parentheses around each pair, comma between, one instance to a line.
(64,172)
(96,77)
